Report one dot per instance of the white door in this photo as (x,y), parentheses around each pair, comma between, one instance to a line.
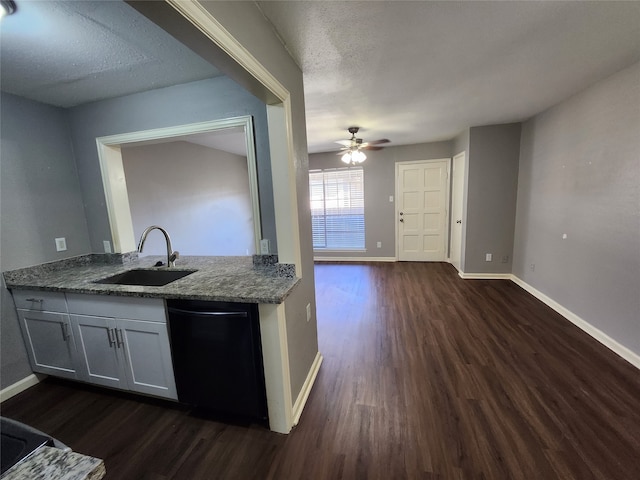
(457,196)
(422,193)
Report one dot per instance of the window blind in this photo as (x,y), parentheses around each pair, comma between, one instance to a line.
(337,208)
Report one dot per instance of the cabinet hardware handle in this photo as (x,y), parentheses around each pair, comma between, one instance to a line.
(119,337)
(38,300)
(402,220)
(112,335)
(65,331)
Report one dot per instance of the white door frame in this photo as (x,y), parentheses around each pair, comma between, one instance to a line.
(397,216)
(115,186)
(459,160)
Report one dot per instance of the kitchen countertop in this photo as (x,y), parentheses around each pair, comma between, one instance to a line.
(49,463)
(257,279)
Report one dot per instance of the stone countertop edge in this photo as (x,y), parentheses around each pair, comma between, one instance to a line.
(221,278)
(48,463)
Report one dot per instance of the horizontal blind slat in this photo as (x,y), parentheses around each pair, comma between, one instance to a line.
(337,208)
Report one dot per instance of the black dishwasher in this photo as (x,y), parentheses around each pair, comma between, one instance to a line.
(217,356)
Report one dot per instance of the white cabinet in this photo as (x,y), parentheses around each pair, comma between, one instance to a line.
(47,332)
(123,343)
(99,351)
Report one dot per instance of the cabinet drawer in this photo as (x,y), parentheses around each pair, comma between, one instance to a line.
(40,300)
(135,308)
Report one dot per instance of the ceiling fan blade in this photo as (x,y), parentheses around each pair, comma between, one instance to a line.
(378,142)
(346,143)
(370,147)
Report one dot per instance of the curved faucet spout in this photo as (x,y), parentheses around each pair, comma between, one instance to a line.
(171,255)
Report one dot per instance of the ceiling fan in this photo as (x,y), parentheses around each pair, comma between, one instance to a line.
(351,150)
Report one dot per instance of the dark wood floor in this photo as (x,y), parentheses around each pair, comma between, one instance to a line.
(425,376)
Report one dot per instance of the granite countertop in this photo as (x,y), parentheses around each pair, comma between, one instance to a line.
(49,463)
(257,279)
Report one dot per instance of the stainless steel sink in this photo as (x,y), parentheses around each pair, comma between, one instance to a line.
(148,278)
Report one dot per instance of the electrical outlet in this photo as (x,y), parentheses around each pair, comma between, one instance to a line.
(488,257)
(61,244)
(107,246)
(532,267)
(391,198)
(505,259)
(308,312)
(379,244)
(264,246)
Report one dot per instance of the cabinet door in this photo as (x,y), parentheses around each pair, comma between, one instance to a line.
(99,352)
(148,357)
(50,343)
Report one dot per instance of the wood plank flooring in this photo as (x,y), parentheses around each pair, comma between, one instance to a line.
(425,376)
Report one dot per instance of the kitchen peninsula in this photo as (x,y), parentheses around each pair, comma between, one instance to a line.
(64,297)
(257,279)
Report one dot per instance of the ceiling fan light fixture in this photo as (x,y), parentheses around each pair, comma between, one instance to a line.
(354,157)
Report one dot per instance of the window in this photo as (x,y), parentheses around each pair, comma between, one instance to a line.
(337,208)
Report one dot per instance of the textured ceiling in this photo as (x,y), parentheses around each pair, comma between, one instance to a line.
(75,52)
(423,71)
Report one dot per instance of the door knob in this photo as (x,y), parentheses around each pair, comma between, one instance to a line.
(458,221)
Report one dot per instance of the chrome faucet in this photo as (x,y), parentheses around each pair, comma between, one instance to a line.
(171,255)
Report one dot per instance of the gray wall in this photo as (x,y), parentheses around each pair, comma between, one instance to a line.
(245,22)
(200,195)
(40,200)
(580,175)
(206,100)
(492,181)
(379,184)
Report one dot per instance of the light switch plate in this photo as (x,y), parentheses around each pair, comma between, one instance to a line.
(107,246)
(61,244)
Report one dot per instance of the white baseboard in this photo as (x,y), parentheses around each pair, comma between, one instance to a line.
(355,259)
(20,386)
(306,389)
(630,356)
(484,276)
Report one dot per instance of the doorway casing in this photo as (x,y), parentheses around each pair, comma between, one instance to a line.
(115,186)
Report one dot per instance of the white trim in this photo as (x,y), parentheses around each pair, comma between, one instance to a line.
(204,21)
(485,276)
(20,386)
(275,356)
(630,356)
(114,182)
(301,401)
(355,259)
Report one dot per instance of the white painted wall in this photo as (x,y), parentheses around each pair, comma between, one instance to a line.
(200,195)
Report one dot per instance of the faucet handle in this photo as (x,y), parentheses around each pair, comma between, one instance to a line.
(173,256)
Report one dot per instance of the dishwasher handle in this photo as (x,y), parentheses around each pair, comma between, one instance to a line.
(193,313)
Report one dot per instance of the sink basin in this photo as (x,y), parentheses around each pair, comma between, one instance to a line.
(148,278)
(18,442)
